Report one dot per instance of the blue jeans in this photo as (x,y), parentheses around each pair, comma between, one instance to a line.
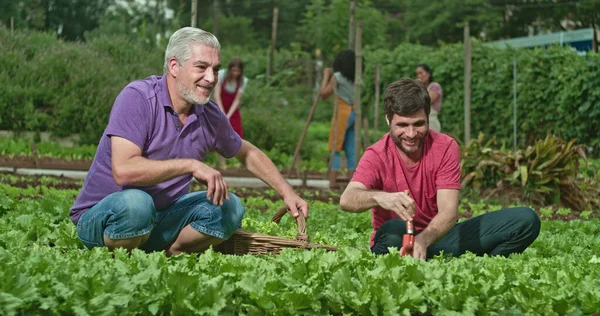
(348,147)
(131,213)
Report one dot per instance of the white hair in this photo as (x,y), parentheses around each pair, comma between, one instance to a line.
(179,44)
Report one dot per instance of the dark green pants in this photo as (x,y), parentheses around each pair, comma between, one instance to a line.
(502,232)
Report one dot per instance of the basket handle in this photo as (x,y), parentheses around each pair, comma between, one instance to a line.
(300,222)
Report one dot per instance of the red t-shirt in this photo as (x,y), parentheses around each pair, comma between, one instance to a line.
(381,168)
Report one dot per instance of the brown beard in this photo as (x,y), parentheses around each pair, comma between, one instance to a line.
(398,143)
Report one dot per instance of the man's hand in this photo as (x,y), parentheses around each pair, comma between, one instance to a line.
(420,248)
(217,188)
(399,202)
(261,166)
(327,72)
(295,204)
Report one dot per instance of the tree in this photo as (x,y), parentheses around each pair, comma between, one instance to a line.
(432,22)
(150,21)
(325,26)
(542,16)
(69,19)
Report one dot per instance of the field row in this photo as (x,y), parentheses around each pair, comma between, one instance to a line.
(46,268)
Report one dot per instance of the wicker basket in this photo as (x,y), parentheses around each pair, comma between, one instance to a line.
(244,242)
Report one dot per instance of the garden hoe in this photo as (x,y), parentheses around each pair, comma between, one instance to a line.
(408,240)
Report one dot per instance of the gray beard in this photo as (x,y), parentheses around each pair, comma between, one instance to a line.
(189,96)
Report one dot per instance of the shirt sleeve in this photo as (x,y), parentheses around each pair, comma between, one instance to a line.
(448,176)
(221,76)
(130,117)
(338,76)
(369,170)
(227,141)
(436,87)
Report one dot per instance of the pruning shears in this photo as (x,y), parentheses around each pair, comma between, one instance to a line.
(408,240)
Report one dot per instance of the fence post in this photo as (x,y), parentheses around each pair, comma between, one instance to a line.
(357,86)
(514,104)
(273,42)
(467,41)
(351,27)
(215,26)
(377,92)
(194,13)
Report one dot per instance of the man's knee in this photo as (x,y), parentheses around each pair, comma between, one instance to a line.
(394,226)
(137,203)
(525,217)
(387,241)
(530,222)
(526,225)
(233,212)
(390,234)
(133,214)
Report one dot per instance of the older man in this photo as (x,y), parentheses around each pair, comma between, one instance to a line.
(136,193)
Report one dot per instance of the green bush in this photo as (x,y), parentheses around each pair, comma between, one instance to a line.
(51,85)
(229,30)
(556,89)
(66,88)
(546,173)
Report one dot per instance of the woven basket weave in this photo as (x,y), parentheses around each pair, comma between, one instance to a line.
(244,242)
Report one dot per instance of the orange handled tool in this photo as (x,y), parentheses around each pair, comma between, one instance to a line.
(408,240)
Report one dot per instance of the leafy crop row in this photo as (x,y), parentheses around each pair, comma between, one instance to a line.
(45,268)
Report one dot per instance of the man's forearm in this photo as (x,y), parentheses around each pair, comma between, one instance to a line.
(439,226)
(358,201)
(262,167)
(140,171)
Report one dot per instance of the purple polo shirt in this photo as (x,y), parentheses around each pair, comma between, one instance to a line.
(144,115)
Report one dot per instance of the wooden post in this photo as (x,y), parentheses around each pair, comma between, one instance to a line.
(34,150)
(467,41)
(12,25)
(295,160)
(157,22)
(351,27)
(194,13)
(308,65)
(376,114)
(305,178)
(215,26)
(514,104)
(367,140)
(594,38)
(334,129)
(273,42)
(357,85)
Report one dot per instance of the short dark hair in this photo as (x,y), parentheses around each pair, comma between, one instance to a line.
(406,97)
